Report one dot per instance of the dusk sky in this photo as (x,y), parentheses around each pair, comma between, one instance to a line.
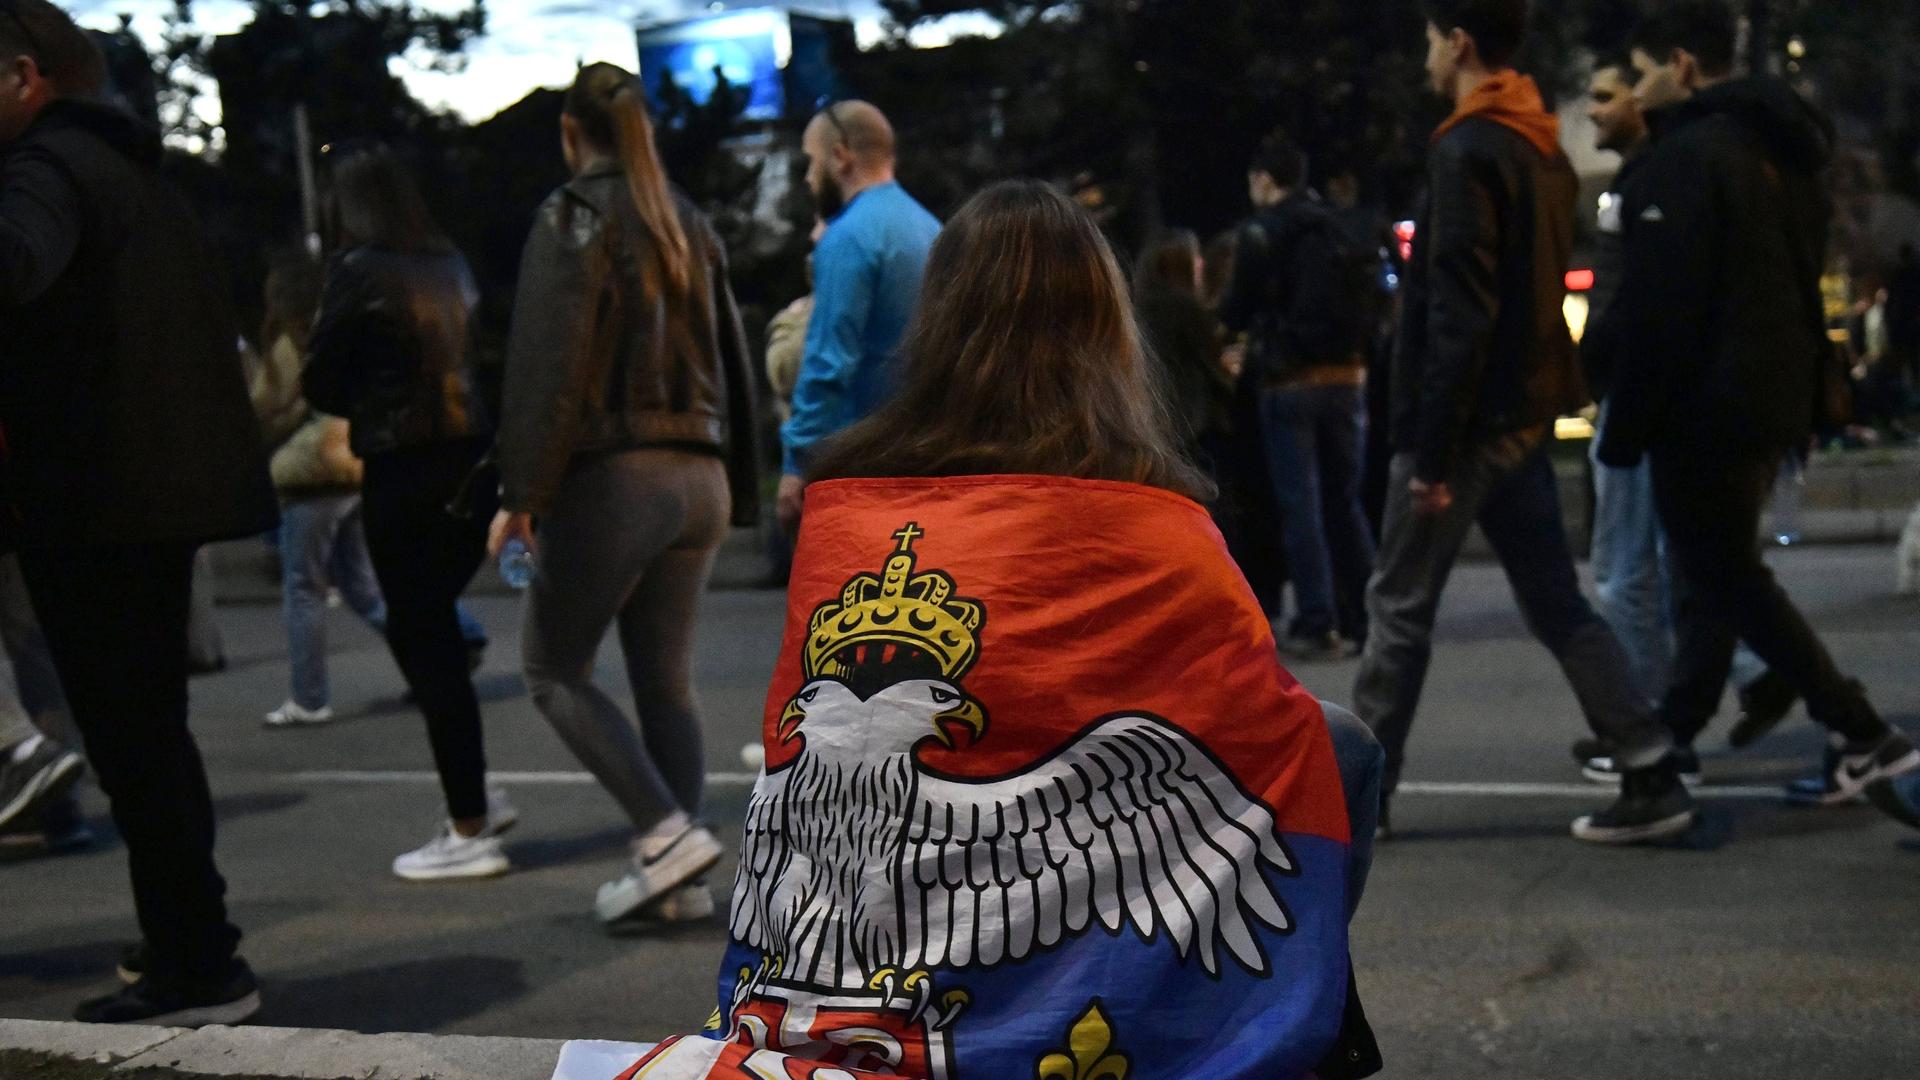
(529,43)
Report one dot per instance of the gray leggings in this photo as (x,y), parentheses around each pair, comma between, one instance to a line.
(629,542)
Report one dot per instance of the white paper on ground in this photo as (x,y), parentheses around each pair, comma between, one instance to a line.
(596,1059)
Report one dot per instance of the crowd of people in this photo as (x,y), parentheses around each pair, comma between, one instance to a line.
(992,398)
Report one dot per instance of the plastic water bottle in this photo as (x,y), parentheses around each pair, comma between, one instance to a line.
(516,564)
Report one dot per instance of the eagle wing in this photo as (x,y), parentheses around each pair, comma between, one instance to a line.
(764,858)
(1132,822)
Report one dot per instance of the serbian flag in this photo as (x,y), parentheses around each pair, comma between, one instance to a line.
(1039,801)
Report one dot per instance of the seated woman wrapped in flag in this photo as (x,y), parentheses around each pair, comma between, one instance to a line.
(1039,799)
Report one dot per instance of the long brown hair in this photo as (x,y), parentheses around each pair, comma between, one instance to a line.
(607,102)
(1022,357)
(371,199)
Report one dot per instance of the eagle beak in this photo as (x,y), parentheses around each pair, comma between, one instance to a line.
(789,727)
(968,714)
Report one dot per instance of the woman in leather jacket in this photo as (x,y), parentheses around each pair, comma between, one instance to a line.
(390,353)
(627,437)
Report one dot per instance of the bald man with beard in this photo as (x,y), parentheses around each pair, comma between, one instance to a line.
(866,273)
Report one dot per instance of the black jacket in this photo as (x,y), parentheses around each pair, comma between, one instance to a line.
(1483,348)
(601,359)
(1599,344)
(1291,291)
(1719,318)
(391,349)
(124,408)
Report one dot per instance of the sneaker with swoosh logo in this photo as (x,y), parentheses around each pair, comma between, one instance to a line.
(1864,764)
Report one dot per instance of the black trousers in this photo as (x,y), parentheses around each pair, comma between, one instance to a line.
(1710,506)
(116,622)
(424,556)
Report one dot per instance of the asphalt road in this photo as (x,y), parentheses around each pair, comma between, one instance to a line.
(1770,943)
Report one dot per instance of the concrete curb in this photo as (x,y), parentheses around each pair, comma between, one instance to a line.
(288,1053)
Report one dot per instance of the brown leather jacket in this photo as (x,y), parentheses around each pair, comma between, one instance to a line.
(601,361)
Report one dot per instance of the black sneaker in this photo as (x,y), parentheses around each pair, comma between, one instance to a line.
(1313,648)
(1603,769)
(1763,704)
(1819,789)
(44,777)
(225,1001)
(1653,805)
(1860,765)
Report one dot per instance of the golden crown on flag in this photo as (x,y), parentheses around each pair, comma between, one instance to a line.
(900,608)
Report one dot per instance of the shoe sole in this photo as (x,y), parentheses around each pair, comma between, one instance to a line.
(292,723)
(49,784)
(679,868)
(233,1012)
(484,869)
(1673,825)
(1851,786)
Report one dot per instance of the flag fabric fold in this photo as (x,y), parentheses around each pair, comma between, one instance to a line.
(1039,801)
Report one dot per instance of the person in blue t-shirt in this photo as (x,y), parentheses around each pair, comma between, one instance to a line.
(866,273)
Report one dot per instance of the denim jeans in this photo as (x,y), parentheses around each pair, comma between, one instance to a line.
(1508,486)
(323,542)
(1632,587)
(1313,436)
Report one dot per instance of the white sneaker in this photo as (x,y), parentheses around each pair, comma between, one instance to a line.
(501,815)
(292,715)
(449,856)
(673,864)
(692,902)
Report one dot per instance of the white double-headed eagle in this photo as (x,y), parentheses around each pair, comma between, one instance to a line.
(859,859)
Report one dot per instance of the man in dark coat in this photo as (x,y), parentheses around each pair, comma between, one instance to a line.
(1483,365)
(129,443)
(1722,343)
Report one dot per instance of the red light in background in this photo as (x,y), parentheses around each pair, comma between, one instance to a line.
(1579,280)
(1403,232)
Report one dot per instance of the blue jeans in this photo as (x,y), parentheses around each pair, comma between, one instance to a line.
(1313,436)
(1631,584)
(323,542)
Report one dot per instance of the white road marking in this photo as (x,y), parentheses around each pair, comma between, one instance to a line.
(1443,788)
(398,776)
(1472,789)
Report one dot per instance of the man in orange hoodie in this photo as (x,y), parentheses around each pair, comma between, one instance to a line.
(1483,365)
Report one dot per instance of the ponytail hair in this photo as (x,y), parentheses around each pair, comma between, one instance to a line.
(607,102)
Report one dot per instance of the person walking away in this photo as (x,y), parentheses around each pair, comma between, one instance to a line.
(1183,339)
(391,354)
(1722,346)
(323,540)
(866,275)
(128,445)
(627,435)
(1304,296)
(1483,365)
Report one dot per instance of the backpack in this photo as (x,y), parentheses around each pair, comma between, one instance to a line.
(1322,303)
